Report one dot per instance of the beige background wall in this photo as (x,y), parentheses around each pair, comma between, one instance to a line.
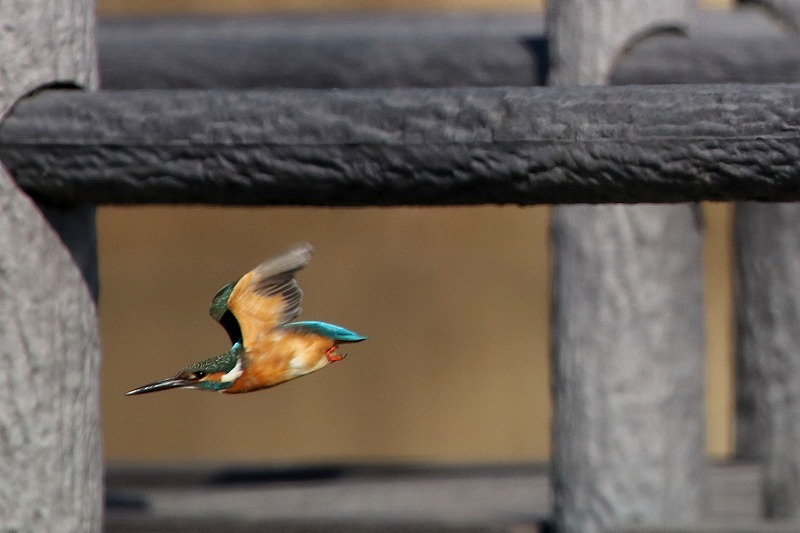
(455,301)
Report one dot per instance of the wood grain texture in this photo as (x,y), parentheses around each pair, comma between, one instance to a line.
(768,341)
(628,366)
(365,50)
(50,448)
(408,147)
(767,311)
(587,38)
(627,325)
(418,50)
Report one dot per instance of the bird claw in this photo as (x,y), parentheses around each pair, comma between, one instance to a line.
(333,354)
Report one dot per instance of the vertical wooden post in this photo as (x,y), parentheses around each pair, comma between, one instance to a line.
(767,252)
(627,335)
(50,445)
(768,349)
(784,12)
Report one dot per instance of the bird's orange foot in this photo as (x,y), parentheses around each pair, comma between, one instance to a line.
(333,354)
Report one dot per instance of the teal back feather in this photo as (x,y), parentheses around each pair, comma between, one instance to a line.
(332,331)
(219,363)
(219,304)
(220,312)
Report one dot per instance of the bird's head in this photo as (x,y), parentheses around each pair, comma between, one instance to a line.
(215,374)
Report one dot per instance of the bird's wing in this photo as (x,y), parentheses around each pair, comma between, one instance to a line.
(268,296)
(219,311)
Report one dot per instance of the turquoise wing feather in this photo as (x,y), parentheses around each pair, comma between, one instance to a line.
(332,331)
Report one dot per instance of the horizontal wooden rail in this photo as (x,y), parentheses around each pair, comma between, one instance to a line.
(408,147)
(399,498)
(421,50)
(323,51)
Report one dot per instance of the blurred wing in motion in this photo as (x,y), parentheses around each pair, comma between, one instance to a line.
(266,297)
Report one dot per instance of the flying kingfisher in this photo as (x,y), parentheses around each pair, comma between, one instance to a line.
(268,349)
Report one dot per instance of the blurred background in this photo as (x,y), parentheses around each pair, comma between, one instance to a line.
(455,302)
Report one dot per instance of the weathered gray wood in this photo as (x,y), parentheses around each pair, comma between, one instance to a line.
(672,59)
(430,50)
(50,448)
(768,343)
(768,335)
(353,51)
(786,13)
(76,227)
(586,38)
(384,497)
(627,331)
(628,367)
(705,527)
(411,147)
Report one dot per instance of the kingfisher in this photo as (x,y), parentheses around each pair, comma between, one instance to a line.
(268,348)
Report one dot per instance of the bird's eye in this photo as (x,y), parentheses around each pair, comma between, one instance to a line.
(199,374)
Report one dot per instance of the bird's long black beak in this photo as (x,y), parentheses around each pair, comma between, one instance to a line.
(164,384)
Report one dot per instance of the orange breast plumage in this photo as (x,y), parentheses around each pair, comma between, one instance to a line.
(278,356)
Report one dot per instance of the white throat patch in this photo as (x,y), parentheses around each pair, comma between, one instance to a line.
(234,373)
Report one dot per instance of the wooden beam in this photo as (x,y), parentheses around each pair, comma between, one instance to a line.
(420,50)
(342,51)
(415,147)
(513,496)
